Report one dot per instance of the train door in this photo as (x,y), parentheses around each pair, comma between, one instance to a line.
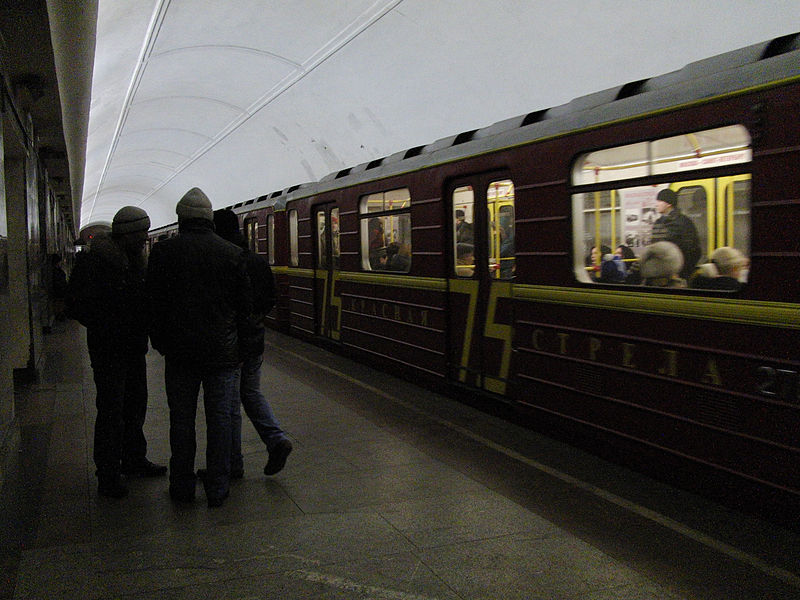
(481,273)
(327,305)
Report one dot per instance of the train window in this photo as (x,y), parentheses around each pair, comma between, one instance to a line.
(385,222)
(294,259)
(612,164)
(702,149)
(251,234)
(463,231)
(271,238)
(335,248)
(738,193)
(500,208)
(615,226)
(322,255)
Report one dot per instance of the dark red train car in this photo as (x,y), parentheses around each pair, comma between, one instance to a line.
(623,269)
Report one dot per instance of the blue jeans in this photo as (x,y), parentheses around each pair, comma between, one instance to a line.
(257,410)
(219,391)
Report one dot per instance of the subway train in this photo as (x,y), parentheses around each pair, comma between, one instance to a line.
(476,265)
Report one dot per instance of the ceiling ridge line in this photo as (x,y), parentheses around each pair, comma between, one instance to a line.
(248,49)
(156,20)
(181,129)
(315,60)
(238,109)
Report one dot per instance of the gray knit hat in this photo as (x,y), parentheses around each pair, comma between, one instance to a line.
(130,219)
(195,205)
(662,259)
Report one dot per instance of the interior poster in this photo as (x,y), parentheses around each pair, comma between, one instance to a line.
(638,215)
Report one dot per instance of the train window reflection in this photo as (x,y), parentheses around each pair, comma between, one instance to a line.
(271,238)
(293,252)
(335,248)
(322,254)
(463,231)
(251,234)
(500,208)
(722,146)
(385,224)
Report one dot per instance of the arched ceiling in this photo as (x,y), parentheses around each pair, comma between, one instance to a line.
(245,97)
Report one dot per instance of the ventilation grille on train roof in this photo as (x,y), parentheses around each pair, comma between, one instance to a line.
(464,137)
(534,117)
(632,88)
(782,45)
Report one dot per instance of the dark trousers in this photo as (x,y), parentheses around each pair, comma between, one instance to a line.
(121,384)
(183,382)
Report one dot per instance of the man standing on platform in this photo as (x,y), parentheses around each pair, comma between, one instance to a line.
(251,348)
(200,296)
(106,295)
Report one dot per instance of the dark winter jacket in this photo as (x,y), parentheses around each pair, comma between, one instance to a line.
(200,296)
(106,294)
(251,341)
(677,228)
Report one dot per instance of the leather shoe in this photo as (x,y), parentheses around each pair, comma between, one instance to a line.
(144,468)
(277,457)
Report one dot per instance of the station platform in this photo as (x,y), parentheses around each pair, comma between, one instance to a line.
(392,493)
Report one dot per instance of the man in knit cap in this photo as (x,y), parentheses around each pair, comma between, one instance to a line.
(674,226)
(106,294)
(200,295)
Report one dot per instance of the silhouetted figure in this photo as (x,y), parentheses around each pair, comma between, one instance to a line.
(106,294)
(200,295)
(251,346)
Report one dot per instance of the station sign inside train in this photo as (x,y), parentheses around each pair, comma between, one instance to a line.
(722,371)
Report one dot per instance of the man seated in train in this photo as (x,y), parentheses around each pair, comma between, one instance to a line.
(660,265)
(727,266)
(465,260)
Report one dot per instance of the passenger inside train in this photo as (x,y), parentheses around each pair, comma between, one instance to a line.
(724,271)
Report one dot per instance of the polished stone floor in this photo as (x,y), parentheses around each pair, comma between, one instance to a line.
(391,493)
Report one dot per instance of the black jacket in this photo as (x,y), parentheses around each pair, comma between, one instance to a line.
(200,296)
(677,228)
(251,335)
(106,294)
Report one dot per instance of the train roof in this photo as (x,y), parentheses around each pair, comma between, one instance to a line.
(753,66)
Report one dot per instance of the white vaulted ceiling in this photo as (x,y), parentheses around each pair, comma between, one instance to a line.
(245,97)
